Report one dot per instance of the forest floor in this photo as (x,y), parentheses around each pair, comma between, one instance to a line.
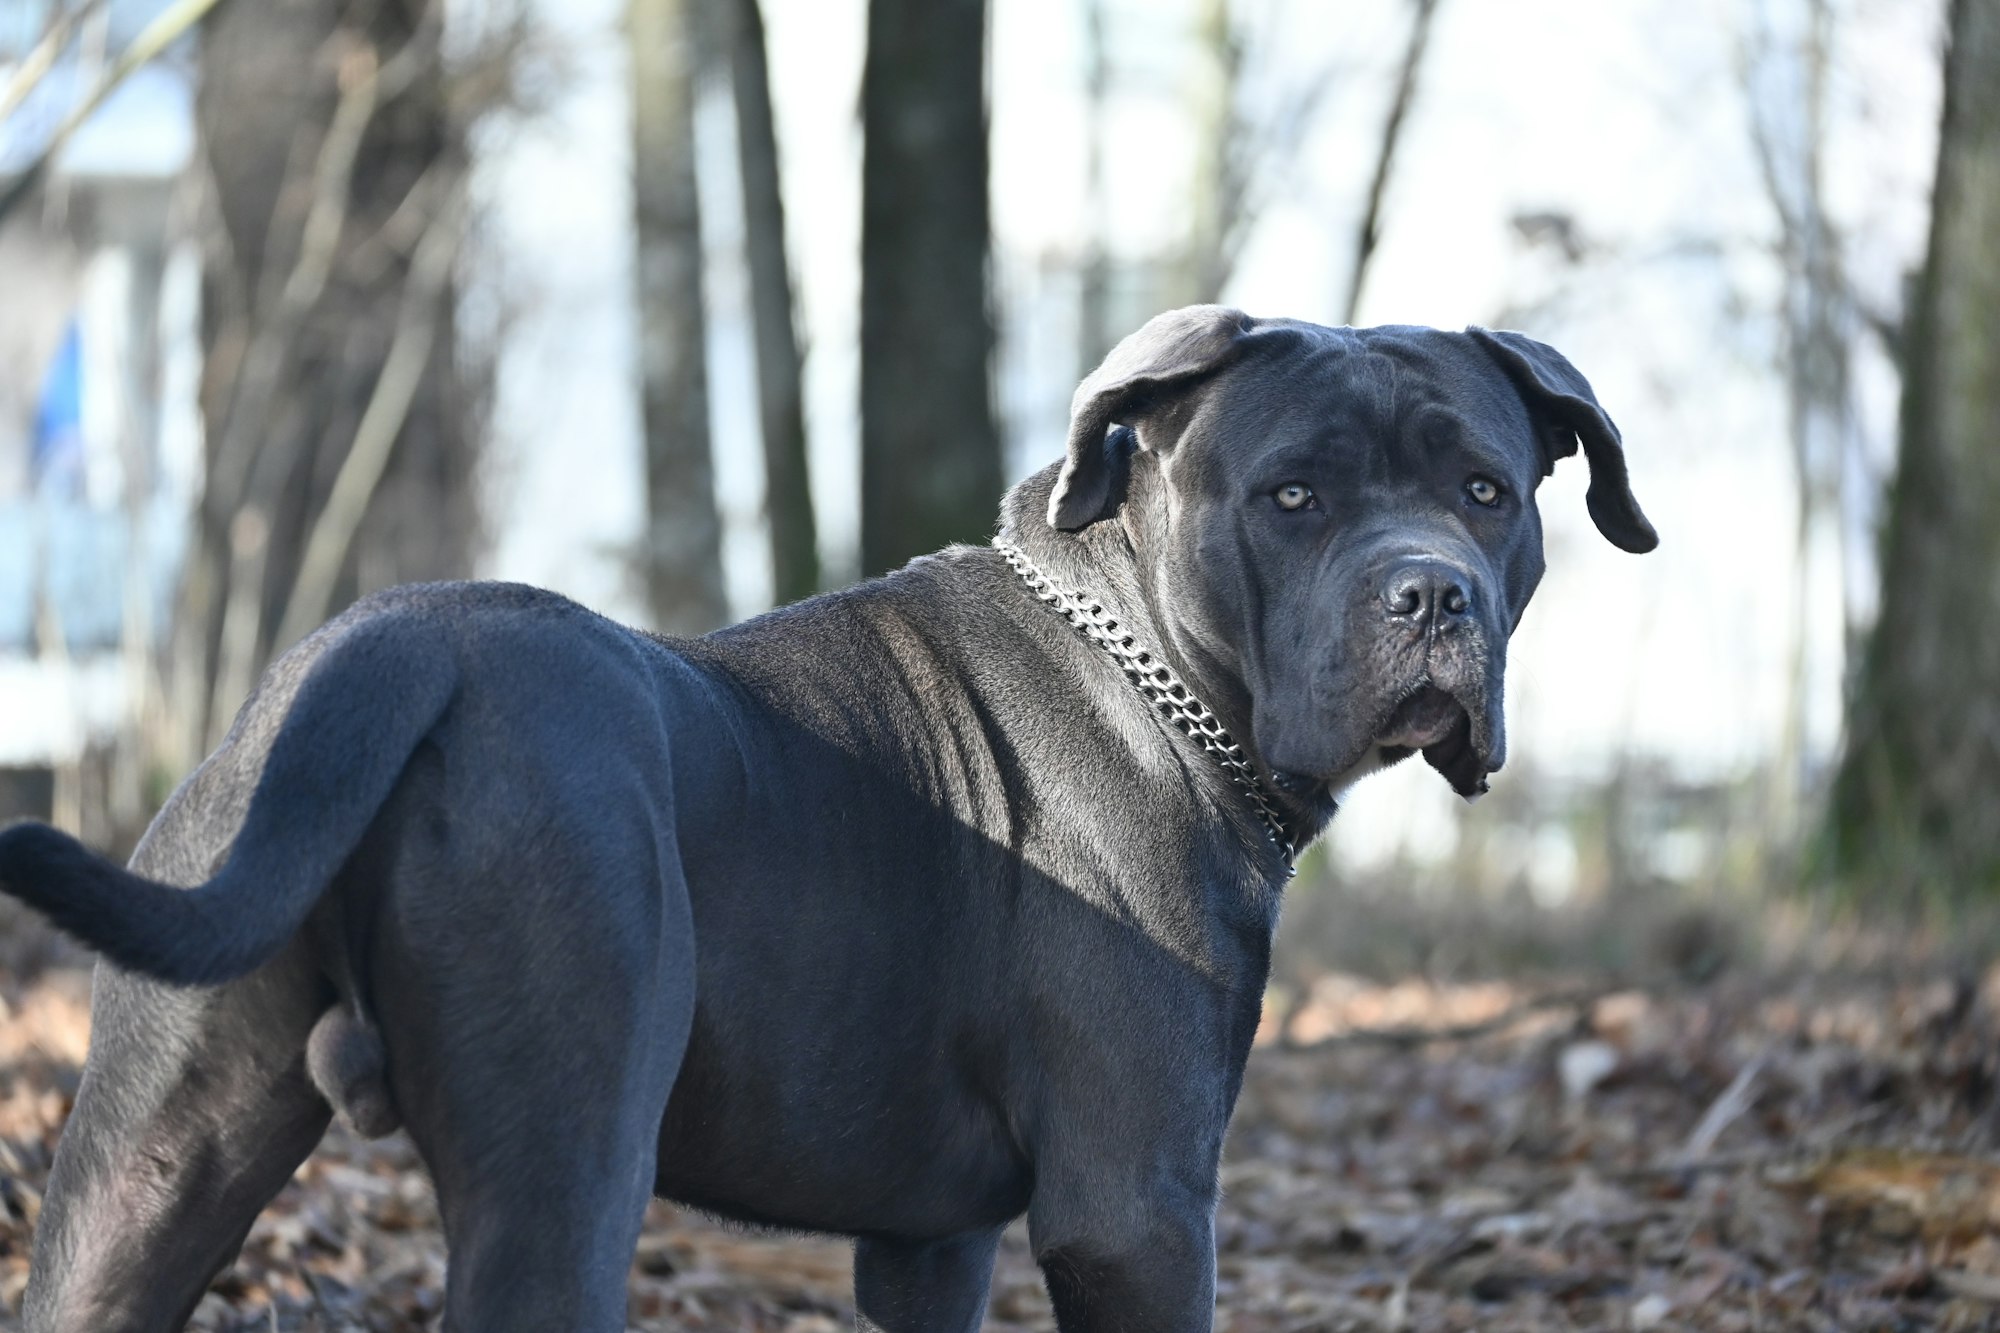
(1803,1152)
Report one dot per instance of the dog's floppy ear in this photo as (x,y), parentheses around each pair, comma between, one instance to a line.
(1177,346)
(1566,411)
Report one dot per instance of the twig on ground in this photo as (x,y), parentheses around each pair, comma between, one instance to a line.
(1726,1109)
(1713,1163)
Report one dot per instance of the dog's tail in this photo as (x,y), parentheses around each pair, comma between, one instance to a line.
(348,707)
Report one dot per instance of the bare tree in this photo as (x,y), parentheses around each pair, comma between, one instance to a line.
(930,450)
(681,557)
(1914,804)
(1787,96)
(1247,136)
(788,506)
(336,461)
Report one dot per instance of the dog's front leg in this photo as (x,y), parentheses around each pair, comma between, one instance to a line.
(930,1287)
(1136,1265)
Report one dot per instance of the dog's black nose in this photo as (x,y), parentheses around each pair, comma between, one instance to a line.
(1426,590)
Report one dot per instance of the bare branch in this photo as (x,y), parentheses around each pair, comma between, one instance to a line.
(43,58)
(243,478)
(173,22)
(381,422)
(233,476)
(1370,231)
(1242,153)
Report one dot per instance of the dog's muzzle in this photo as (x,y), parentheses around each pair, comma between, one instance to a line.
(1449,707)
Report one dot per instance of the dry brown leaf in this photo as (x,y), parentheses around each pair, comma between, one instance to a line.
(1898,1192)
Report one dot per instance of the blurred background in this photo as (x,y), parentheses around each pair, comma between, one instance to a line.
(688,308)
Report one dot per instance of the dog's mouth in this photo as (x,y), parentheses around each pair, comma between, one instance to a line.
(1436,722)
(1424,718)
(1456,729)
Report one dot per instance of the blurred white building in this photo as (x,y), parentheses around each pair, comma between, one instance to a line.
(99,444)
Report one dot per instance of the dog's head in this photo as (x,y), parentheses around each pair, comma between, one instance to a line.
(1336,528)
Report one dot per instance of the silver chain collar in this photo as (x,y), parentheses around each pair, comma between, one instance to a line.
(1166,691)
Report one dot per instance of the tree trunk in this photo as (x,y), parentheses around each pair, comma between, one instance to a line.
(930,452)
(788,508)
(337,168)
(1915,806)
(682,548)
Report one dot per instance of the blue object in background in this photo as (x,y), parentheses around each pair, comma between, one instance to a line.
(57,548)
(55,455)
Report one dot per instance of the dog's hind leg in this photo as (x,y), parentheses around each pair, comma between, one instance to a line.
(195,1108)
(532,1061)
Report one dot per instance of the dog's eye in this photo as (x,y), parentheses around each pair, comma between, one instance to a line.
(1294,495)
(1482,490)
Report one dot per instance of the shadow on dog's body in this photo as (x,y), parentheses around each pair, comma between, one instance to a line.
(903,903)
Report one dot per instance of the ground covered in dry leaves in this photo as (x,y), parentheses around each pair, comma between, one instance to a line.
(1781,1154)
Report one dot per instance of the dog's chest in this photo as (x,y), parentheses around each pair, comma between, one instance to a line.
(834,1129)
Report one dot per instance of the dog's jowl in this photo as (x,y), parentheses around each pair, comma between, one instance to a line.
(897,913)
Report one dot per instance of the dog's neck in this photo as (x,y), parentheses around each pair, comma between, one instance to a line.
(1099,559)
(1102,561)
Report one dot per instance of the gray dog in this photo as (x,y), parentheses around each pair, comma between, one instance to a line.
(897,913)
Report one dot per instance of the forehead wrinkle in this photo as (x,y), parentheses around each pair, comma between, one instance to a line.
(1240,409)
(1365,380)
(1379,380)
(1441,430)
(1356,397)
(1353,397)
(1384,376)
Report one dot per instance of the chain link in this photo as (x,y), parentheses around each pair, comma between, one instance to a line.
(1166,691)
